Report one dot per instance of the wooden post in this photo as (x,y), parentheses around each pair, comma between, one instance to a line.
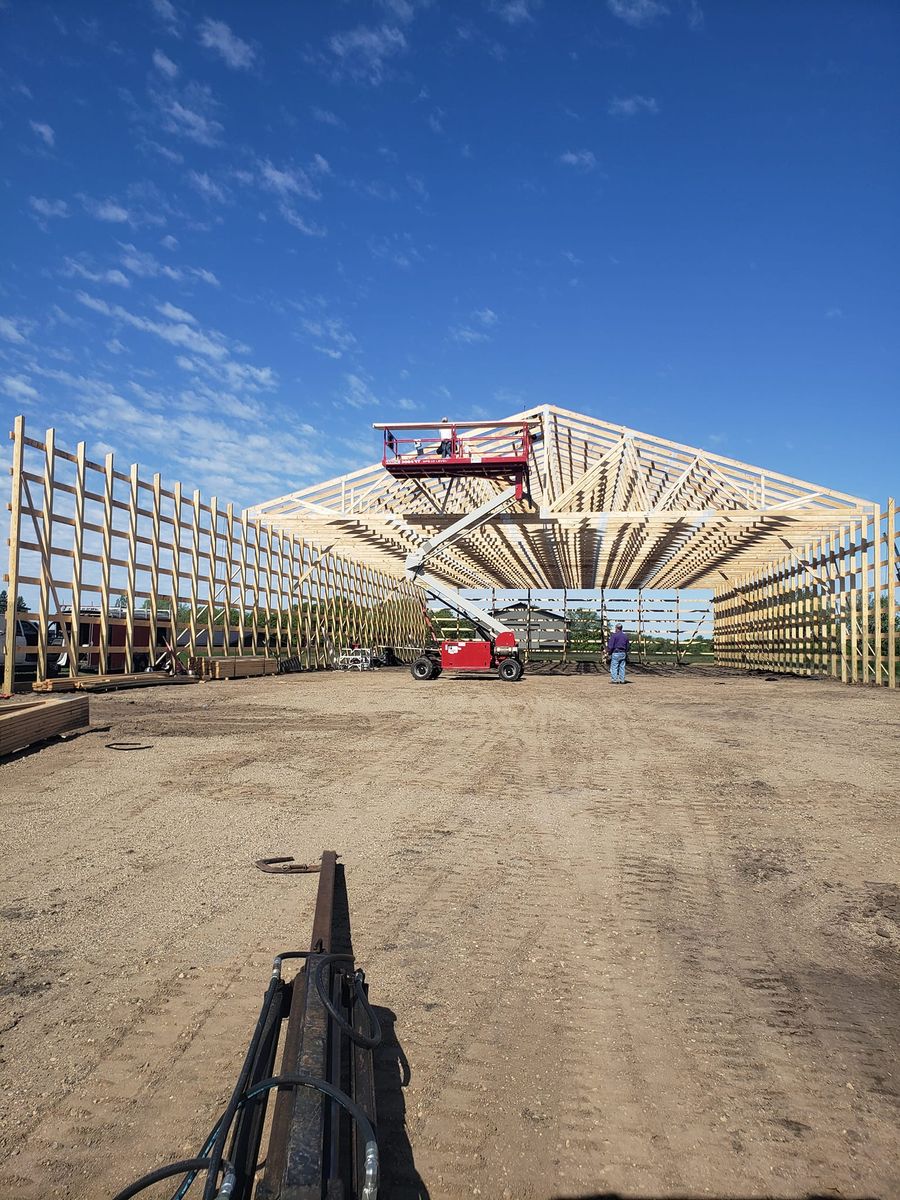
(892,592)
(109,483)
(864,596)
(77,560)
(46,554)
(131,576)
(153,599)
(12,593)
(876,586)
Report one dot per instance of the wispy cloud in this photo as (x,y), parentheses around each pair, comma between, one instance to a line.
(637,13)
(17,387)
(216,36)
(46,209)
(163,63)
(176,314)
(165,11)
(145,266)
(397,248)
(12,329)
(106,210)
(72,267)
(630,106)
(299,222)
(362,54)
(288,181)
(190,113)
(582,160)
(44,132)
(516,12)
(833,313)
(357,392)
(207,187)
(330,336)
(476,329)
(326,117)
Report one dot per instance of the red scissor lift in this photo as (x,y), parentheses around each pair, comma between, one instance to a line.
(447,450)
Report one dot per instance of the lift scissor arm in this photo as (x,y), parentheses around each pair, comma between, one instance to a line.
(415,562)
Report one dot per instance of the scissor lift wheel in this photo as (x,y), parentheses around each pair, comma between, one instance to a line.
(424,668)
(510,670)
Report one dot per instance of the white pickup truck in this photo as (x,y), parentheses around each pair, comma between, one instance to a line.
(27,643)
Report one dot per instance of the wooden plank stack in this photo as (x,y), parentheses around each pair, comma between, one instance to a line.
(109,683)
(22,725)
(247,667)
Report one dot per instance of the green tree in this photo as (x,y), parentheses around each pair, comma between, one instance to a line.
(21,606)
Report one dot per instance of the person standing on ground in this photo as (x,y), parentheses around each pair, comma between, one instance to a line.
(617,649)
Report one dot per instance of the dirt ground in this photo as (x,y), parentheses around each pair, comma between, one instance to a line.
(641,942)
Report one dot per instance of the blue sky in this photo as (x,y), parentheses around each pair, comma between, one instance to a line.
(236,234)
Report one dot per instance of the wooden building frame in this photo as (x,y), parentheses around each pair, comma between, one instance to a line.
(195,579)
(804,578)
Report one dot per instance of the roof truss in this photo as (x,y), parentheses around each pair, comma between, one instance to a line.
(609,507)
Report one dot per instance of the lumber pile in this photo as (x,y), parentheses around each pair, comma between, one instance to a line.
(234,668)
(22,725)
(109,683)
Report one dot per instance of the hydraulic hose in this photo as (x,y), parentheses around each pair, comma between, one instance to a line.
(373,1038)
(177,1168)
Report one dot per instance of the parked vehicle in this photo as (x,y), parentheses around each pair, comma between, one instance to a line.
(27,637)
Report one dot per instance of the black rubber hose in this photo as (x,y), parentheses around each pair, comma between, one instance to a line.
(218,1149)
(369,1040)
(166,1172)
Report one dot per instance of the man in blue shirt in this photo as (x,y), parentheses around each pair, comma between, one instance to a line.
(617,649)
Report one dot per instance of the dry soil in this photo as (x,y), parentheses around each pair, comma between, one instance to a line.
(641,941)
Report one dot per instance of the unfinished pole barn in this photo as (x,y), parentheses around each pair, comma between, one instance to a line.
(800,577)
(687,548)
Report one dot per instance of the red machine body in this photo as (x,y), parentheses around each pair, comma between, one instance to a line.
(477,655)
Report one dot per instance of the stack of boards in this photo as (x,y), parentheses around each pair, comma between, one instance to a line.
(21,725)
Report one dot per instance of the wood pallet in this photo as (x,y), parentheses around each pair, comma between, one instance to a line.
(108,683)
(21,725)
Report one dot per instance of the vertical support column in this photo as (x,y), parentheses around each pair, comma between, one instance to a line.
(195,575)
(864,596)
(211,576)
(854,613)
(229,571)
(176,569)
(131,569)
(77,559)
(155,538)
(892,592)
(12,592)
(109,483)
(876,605)
(46,553)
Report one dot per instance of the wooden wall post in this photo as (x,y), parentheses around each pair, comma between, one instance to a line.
(15,518)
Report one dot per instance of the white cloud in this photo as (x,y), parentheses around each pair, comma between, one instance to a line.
(584,160)
(637,13)
(176,314)
(116,277)
(325,117)
(330,335)
(48,208)
(163,63)
(207,187)
(45,132)
(630,106)
(145,266)
(695,15)
(362,53)
(287,181)
(475,331)
(106,210)
(294,218)
(18,388)
(435,121)
(485,316)
(190,114)
(516,12)
(170,242)
(177,333)
(832,313)
(216,36)
(10,330)
(357,392)
(165,10)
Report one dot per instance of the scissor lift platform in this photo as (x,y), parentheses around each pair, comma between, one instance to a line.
(494,450)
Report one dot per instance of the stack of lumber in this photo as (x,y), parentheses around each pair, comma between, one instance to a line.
(22,725)
(241,668)
(108,683)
